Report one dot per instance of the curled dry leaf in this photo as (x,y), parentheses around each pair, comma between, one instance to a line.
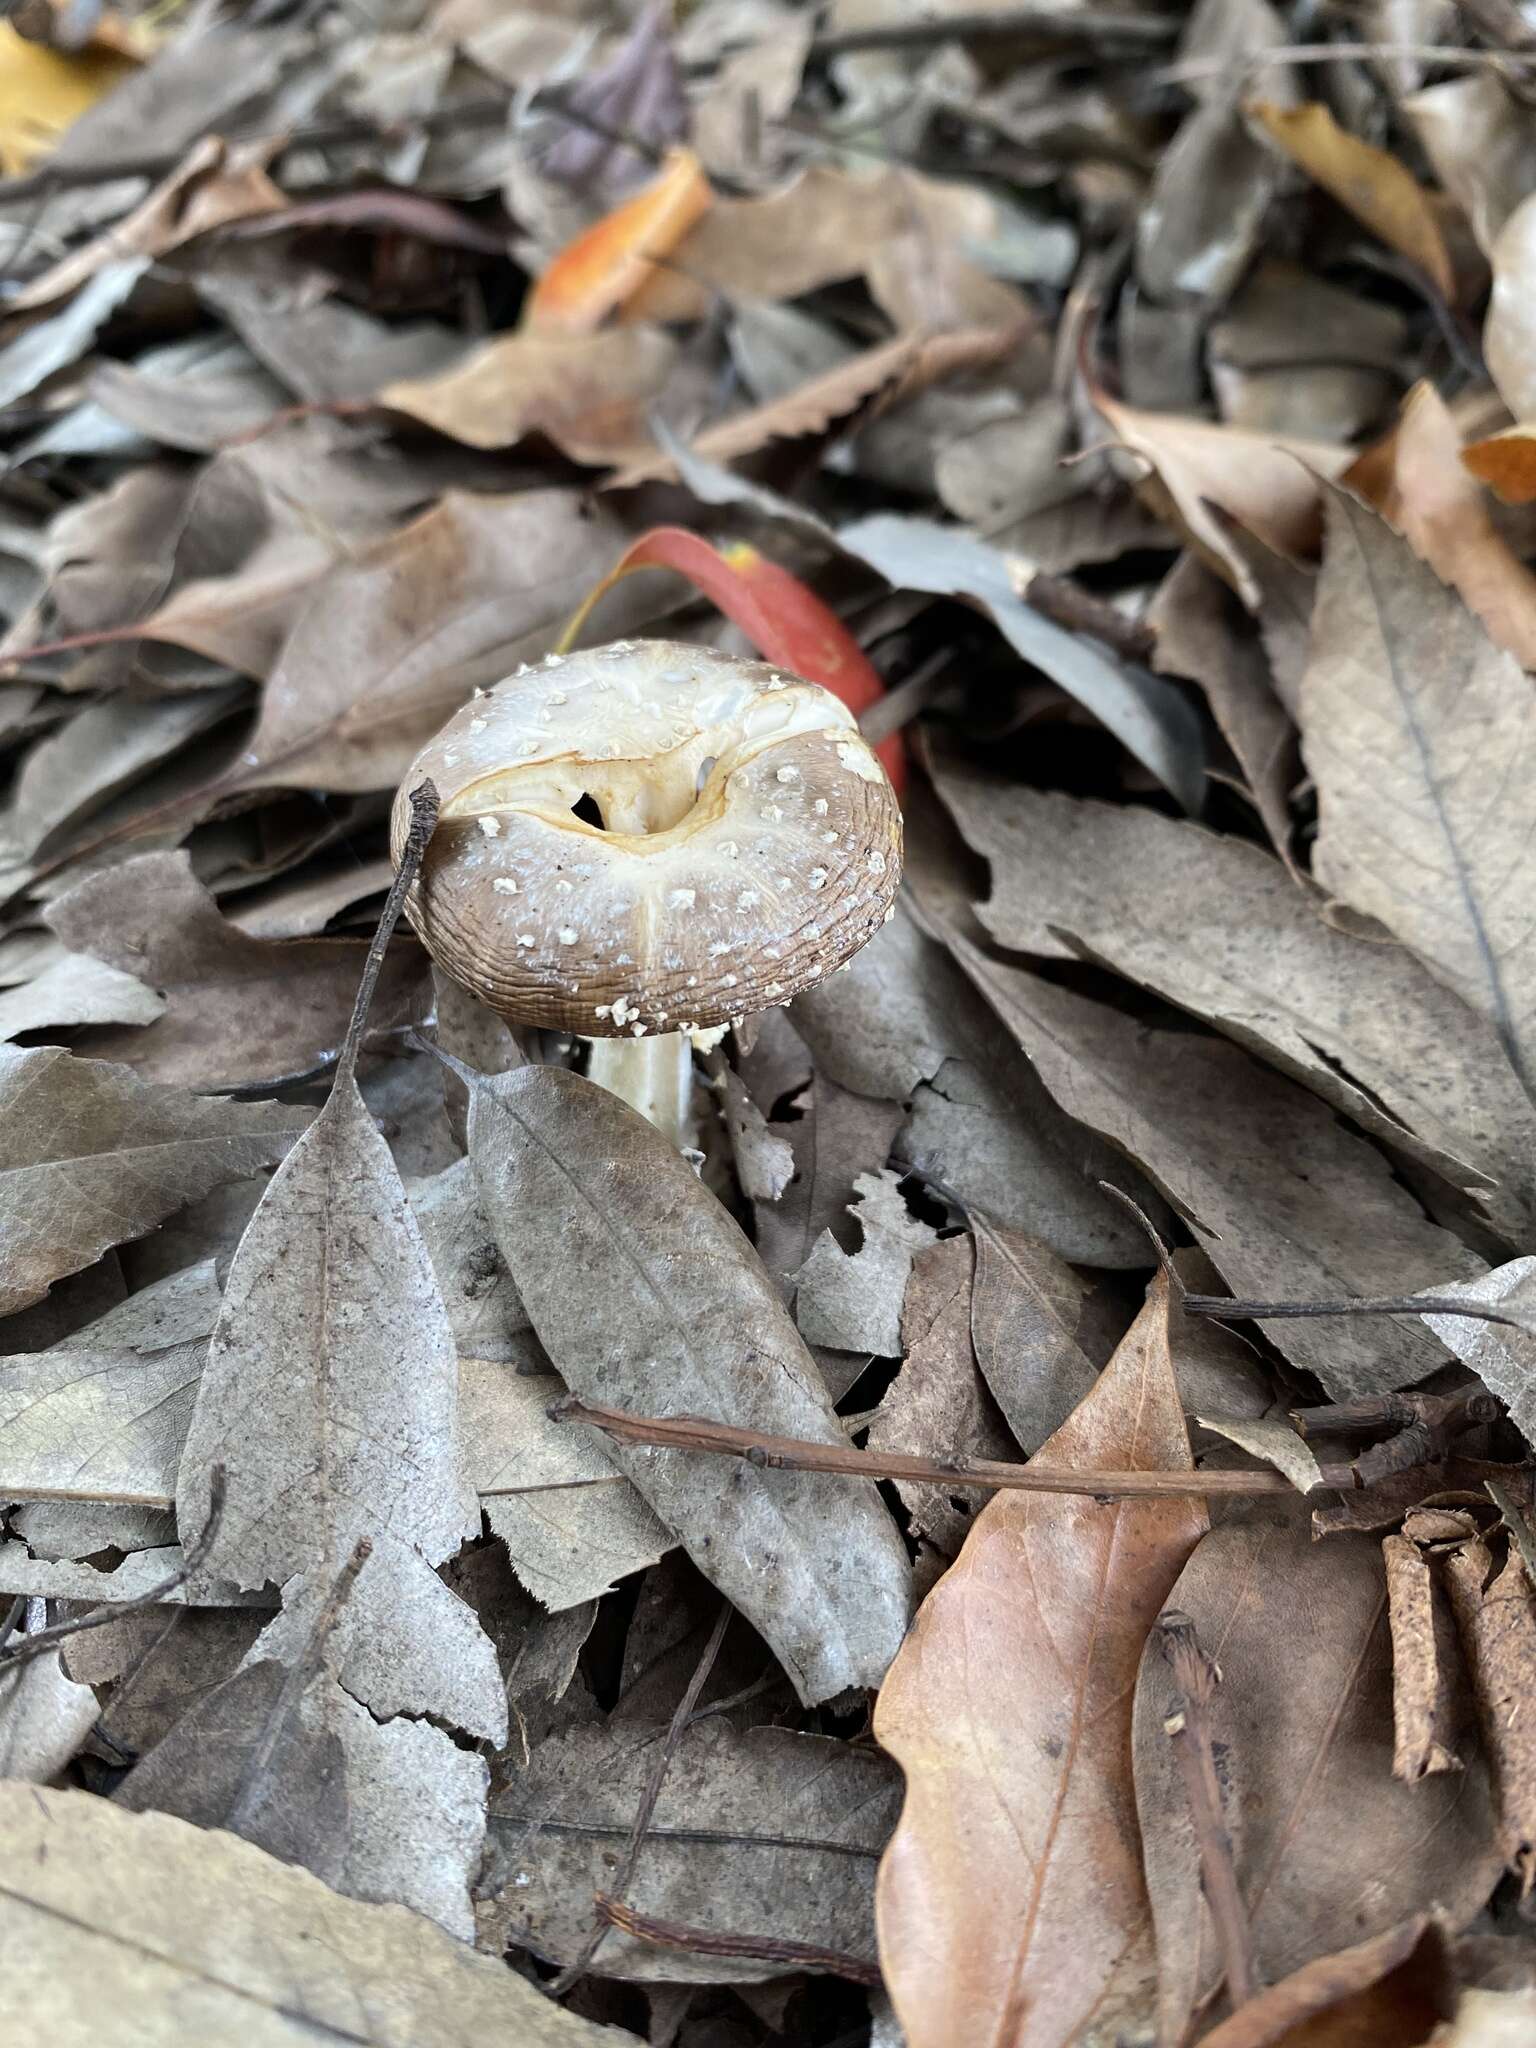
(1011,1905)
(1424,1706)
(1495,1610)
(1025,1316)
(112,1915)
(1390,1987)
(677,1316)
(1420,735)
(94,1156)
(1369,182)
(1328,1846)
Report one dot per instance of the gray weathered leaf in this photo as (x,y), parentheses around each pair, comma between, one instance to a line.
(1287,1202)
(676,1315)
(92,1156)
(332,1366)
(902,1015)
(117,1919)
(241,1011)
(574,1543)
(852,1300)
(769,1832)
(1025,1309)
(1421,737)
(75,989)
(59,339)
(1213,924)
(483,1306)
(1502,1355)
(44,1717)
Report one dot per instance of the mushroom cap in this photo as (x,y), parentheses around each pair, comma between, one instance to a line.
(750,841)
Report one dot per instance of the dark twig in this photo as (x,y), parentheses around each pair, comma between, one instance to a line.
(12,1619)
(423,824)
(648,1799)
(767,1948)
(253,1788)
(800,1454)
(113,1610)
(1421,1427)
(1234,1309)
(1195,1679)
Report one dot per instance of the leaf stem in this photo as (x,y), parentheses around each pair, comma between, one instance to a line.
(423,824)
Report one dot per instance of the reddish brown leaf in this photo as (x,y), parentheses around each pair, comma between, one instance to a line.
(605,266)
(1011,1906)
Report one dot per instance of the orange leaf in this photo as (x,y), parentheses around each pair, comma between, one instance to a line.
(602,268)
(786,622)
(1011,1906)
(1507,461)
(1366,181)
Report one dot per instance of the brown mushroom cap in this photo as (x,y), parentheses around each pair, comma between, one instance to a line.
(750,842)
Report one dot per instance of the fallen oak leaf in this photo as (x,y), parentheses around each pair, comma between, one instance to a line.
(1011,1904)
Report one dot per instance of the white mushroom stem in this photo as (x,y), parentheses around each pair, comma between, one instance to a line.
(652,1074)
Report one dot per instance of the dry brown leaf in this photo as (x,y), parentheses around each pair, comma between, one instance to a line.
(1423,1706)
(1388,1988)
(588,393)
(1326,1843)
(240,1010)
(116,1919)
(393,641)
(333,1367)
(822,227)
(1507,461)
(1287,1202)
(1420,735)
(675,1314)
(1011,1905)
(1495,1610)
(93,1156)
(1368,182)
(1266,483)
(1026,1311)
(1211,923)
(893,371)
(1433,502)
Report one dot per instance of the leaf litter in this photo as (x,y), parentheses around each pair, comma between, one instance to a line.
(1020,1529)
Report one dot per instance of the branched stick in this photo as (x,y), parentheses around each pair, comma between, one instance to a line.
(112,1610)
(768,1948)
(801,1454)
(1195,1679)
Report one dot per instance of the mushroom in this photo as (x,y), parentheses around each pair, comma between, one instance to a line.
(645,843)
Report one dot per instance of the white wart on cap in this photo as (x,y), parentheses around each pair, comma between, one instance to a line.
(749,843)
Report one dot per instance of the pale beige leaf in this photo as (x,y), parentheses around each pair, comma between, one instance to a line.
(1011,1907)
(114,1919)
(1509,332)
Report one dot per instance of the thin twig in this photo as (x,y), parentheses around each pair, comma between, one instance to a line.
(767,1948)
(252,1788)
(648,1799)
(1080,24)
(423,824)
(1453,55)
(1195,1679)
(801,1454)
(1515,1522)
(113,1610)
(1234,1309)
(12,1619)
